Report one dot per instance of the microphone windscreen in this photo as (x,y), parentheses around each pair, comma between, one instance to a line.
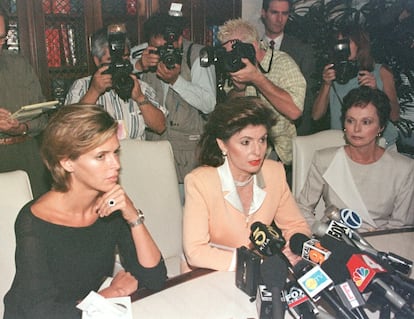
(332,213)
(302,267)
(338,247)
(274,272)
(335,267)
(296,243)
(319,228)
(256,225)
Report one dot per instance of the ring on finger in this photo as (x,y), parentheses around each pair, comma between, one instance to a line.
(111,202)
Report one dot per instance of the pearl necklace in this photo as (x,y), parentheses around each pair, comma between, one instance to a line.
(242,184)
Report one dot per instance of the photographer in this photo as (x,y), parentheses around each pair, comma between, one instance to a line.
(354,66)
(275,78)
(133,103)
(171,65)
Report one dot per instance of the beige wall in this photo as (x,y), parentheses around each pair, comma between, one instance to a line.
(251,12)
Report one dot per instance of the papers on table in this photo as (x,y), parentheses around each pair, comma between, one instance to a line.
(95,306)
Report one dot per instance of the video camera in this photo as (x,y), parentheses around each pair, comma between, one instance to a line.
(345,69)
(228,61)
(119,68)
(170,55)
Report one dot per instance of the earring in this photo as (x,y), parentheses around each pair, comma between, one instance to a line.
(379,134)
(224,153)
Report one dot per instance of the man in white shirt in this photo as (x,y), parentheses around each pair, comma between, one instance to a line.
(171,65)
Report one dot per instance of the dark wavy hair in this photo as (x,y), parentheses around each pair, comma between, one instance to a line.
(364,95)
(229,118)
(360,37)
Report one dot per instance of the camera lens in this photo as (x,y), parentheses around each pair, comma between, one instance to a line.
(205,55)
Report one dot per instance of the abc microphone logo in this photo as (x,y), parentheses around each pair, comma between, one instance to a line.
(351,218)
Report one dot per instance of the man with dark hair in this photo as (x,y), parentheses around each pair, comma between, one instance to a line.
(18,138)
(171,65)
(275,15)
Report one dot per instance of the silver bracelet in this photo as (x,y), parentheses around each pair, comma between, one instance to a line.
(140,219)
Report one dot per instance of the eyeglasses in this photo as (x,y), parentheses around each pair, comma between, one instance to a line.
(232,41)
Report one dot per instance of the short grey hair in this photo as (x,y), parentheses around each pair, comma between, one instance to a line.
(238,28)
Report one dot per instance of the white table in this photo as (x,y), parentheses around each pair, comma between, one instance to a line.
(215,296)
(212,296)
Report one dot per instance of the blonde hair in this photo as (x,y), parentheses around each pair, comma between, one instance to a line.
(72,131)
(240,29)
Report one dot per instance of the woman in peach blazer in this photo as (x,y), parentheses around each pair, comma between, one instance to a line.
(235,186)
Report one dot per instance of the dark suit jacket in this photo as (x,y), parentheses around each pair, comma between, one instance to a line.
(303,54)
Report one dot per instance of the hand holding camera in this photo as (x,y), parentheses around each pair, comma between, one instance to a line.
(168,75)
(248,74)
(329,74)
(367,78)
(136,92)
(101,80)
(149,59)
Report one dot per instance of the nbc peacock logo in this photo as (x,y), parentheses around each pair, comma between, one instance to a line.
(359,275)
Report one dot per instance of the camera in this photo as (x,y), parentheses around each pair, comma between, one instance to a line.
(119,68)
(228,61)
(169,55)
(345,69)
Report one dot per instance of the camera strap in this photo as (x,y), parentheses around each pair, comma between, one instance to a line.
(337,95)
(270,64)
(189,55)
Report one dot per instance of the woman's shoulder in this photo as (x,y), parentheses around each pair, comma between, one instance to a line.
(269,164)
(327,153)
(202,172)
(25,217)
(401,161)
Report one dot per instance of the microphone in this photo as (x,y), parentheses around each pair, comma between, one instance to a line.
(335,267)
(345,215)
(268,240)
(274,273)
(365,271)
(351,237)
(331,213)
(300,306)
(317,284)
(353,221)
(310,249)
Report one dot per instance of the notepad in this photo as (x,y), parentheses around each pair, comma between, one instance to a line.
(27,112)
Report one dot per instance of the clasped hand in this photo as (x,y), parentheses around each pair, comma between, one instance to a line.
(122,285)
(114,200)
(8,124)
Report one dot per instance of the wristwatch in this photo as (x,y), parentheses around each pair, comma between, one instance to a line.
(140,219)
